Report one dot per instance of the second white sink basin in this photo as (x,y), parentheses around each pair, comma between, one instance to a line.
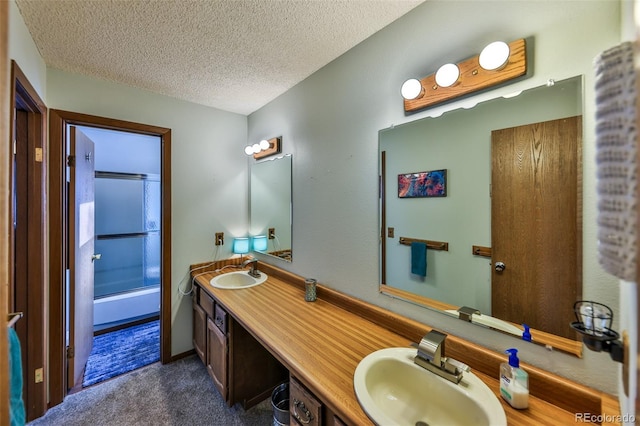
(393,390)
(237,280)
(489,321)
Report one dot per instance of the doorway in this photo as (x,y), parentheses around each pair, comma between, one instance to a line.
(27,237)
(59,123)
(126,292)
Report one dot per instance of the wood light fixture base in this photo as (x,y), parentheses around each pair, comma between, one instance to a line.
(472,78)
(275,147)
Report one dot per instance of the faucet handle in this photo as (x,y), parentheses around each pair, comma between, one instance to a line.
(461,366)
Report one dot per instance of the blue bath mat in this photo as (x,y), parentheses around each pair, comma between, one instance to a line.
(122,351)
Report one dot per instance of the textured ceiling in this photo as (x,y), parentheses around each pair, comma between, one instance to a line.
(236,55)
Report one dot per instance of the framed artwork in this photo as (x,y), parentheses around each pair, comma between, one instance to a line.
(423,184)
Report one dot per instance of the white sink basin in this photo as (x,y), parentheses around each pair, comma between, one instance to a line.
(393,390)
(237,280)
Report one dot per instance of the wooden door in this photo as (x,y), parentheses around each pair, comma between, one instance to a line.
(81,251)
(536,226)
(217,357)
(5,186)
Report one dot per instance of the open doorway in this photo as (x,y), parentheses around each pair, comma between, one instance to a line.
(126,293)
(60,122)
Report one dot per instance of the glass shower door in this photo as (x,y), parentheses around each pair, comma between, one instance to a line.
(128,234)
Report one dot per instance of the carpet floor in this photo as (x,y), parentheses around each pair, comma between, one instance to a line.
(179,393)
(121,351)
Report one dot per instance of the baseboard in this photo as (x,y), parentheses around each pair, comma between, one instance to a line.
(182,355)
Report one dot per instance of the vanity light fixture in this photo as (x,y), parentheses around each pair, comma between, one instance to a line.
(412,89)
(260,243)
(447,75)
(264,148)
(499,62)
(494,56)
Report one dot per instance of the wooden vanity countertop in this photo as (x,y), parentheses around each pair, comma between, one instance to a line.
(321,343)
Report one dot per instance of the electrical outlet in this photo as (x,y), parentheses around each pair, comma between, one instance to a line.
(272,233)
(219,238)
(39,376)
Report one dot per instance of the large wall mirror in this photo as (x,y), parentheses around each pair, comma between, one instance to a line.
(504,238)
(270,208)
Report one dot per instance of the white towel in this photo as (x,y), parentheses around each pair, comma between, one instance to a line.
(616,156)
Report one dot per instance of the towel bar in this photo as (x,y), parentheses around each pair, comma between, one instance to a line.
(433,245)
(14,317)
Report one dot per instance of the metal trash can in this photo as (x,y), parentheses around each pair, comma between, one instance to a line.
(280,404)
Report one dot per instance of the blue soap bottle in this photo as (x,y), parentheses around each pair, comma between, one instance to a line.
(514,381)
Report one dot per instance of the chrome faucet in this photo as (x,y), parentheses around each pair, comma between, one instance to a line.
(254,267)
(431,356)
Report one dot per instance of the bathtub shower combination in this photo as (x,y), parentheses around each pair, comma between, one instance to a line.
(127,224)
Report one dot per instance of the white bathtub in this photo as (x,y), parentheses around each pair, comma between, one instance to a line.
(127,305)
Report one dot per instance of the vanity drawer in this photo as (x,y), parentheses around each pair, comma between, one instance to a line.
(304,407)
(220,318)
(206,302)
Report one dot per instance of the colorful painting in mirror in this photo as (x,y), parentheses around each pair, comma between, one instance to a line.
(423,184)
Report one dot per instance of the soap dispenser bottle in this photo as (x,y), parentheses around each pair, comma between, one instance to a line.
(514,381)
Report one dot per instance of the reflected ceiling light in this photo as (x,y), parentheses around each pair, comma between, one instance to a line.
(412,89)
(494,56)
(447,75)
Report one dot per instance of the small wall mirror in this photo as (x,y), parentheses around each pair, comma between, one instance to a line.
(270,205)
(478,221)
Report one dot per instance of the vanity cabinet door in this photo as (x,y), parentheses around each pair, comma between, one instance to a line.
(200,331)
(304,408)
(217,357)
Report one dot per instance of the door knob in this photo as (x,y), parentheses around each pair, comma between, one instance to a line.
(500,266)
(97,256)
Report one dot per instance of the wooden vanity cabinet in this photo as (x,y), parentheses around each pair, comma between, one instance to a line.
(199,327)
(242,370)
(305,409)
(217,357)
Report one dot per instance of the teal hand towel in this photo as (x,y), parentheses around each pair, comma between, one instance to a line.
(419,259)
(16,405)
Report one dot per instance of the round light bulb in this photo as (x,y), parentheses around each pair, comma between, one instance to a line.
(256,148)
(264,144)
(248,150)
(411,89)
(447,75)
(494,56)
